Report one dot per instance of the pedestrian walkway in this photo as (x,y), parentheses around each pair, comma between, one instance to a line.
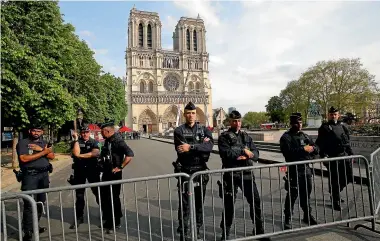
(8,178)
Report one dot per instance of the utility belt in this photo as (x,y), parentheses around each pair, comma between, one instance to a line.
(32,171)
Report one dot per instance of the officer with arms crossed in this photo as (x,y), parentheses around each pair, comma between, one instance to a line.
(334,141)
(237,149)
(34,155)
(297,146)
(193,144)
(115,155)
(85,153)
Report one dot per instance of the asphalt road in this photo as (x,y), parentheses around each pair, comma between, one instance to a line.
(150,207)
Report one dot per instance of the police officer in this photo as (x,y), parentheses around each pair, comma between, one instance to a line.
(85,155)
(115,155)
(297,146)
(34,155)
(193,144)
(237,149)
(334,141)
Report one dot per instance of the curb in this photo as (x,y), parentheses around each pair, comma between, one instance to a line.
(319,172)
(18,184)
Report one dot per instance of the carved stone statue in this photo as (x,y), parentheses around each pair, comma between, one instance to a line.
(134,120)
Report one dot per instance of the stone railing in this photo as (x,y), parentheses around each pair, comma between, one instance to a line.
(169,97)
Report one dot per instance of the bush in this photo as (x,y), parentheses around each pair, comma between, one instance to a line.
(365,130)
(62,147)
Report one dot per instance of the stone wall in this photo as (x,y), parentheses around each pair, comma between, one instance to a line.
(362,145)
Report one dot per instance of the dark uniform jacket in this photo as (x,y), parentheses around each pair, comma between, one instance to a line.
(231,146)
(86,147)
(200,150)
(292,147)
(114,151)
(23,149)
(334,140)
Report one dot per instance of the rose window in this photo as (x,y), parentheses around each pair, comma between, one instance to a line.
(171,83)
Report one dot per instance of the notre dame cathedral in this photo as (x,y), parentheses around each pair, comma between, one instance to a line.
(161,82)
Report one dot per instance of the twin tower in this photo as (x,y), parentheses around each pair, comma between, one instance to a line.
(160,82)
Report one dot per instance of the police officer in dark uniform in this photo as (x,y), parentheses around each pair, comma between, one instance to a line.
(85,155)
(237,149)
(193,144)
(115,155)
(34,155)
(297,146)
(334,141)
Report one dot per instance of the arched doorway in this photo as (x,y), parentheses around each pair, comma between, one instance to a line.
(201,116)
(148,122)
(169,117)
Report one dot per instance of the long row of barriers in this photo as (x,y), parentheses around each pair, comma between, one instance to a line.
(150,204)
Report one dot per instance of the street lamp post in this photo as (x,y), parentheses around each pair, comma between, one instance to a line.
(79,118)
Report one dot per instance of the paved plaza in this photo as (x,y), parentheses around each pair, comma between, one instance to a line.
(151,206)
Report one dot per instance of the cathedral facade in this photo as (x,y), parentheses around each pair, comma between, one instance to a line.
(161,82)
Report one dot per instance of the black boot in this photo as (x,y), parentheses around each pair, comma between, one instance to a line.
(287,223)
(258,232)
(79,221)
(42,229)
(225,234)
(199,237)
(336,206)
(28,235)
(309,219)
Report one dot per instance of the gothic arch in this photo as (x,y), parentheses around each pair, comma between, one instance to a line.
(140,34)
(201,116)
(142,86)
(149,35)
(145,76)
(170,117)
(191,86)
(150,87)
(188,39)
(197,86)
(195,41)
(148,121)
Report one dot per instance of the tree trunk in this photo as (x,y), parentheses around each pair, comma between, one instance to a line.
(14,153)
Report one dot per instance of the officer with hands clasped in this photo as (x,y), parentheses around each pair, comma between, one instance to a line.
(85,152)
(34,155)
(334,141)
(193,144)
(115,155)
(237,149)
(297,146)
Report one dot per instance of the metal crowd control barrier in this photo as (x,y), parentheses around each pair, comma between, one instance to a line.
(148,204)
(374,168)
(356,199)
(4,211)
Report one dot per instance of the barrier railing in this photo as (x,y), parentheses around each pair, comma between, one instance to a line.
(374,169)
(267,204)
(7,214)
(148,205)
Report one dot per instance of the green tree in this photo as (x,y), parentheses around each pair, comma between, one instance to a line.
(31,53)
(275,109)
(254,119)
(341,83)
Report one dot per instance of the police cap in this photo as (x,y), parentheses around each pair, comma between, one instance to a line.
(190,106)
(35,125)
(106,123)
(84,128)
(234,115)
(295,118)
(333,109)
